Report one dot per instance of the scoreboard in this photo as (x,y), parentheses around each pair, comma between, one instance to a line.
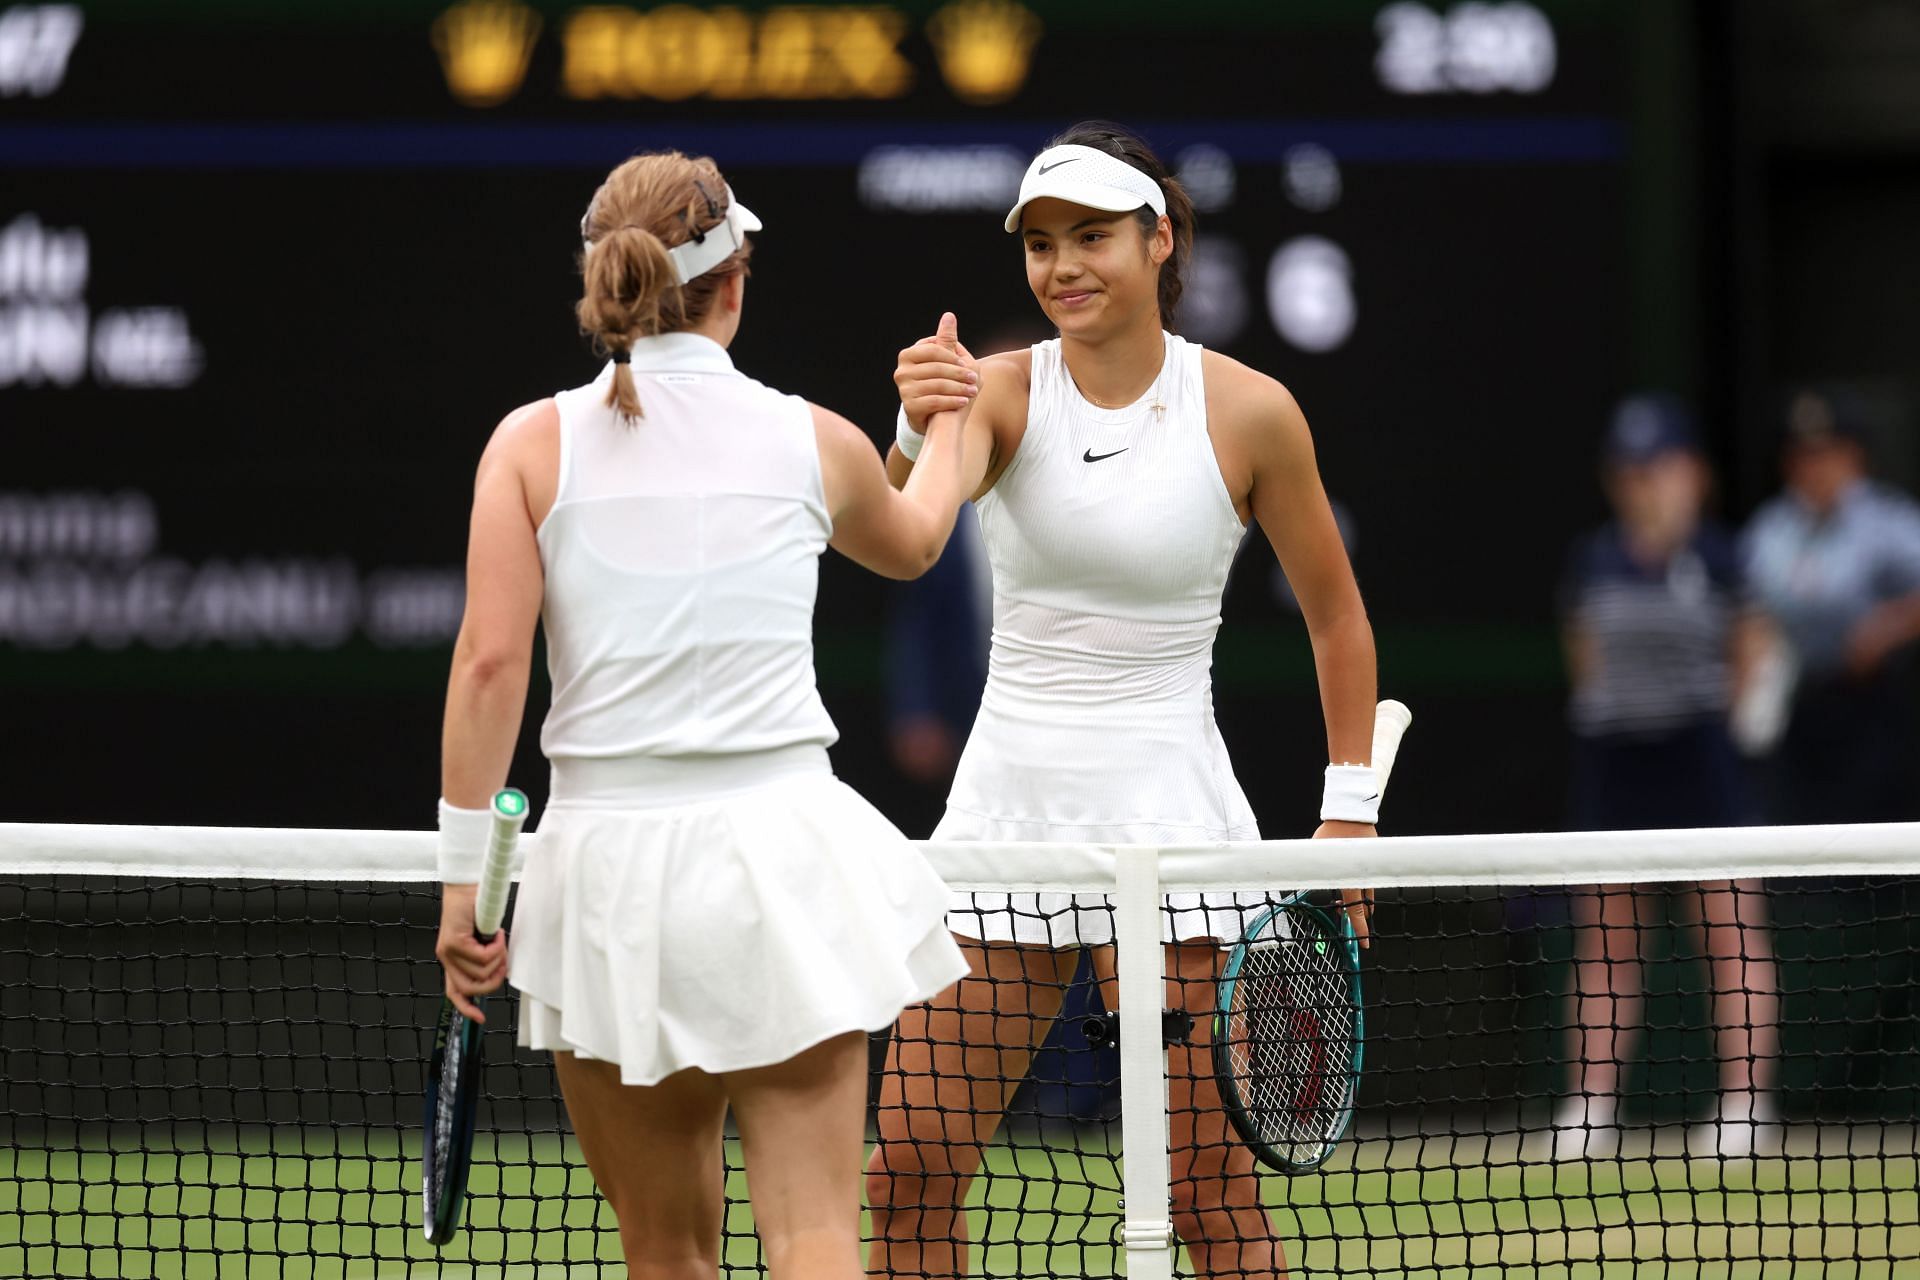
(270,272)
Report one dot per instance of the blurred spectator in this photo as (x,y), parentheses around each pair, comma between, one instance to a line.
(1659,635)
(1835,559)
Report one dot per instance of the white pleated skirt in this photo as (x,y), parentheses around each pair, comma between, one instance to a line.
(726,929)
(1030,772)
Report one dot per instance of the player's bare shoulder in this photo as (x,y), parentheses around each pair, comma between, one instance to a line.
(1006,378)
(527,443)
(1259,434)
(1241,399)
(841,442)
(1253,418)
(1018,363)
(530,424)
(525,435)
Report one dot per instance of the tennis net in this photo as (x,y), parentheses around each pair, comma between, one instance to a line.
(1667,1054)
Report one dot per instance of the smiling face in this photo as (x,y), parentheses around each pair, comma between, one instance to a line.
(1093,272)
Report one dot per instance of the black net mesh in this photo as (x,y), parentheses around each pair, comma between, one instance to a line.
(214,1080)
(210,1080)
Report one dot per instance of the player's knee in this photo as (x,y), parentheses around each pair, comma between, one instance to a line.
(664,1260)
(796,1251)
(1209,1187)
(1185,1204)
(660,1246)
(1196,1221)
(909,1174)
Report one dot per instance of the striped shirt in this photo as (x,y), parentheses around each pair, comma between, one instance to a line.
(1819,577)
(1659,634)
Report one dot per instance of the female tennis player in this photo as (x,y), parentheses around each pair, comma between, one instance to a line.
(1115,470)
(711,919)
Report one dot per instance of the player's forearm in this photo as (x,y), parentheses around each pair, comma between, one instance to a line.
(1343,657)
(486,699)
(936,488)
(899,467)
(938,480)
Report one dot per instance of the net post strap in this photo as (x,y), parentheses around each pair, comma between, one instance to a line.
(1147,1233)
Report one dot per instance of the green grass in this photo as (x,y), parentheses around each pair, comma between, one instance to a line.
(343,1205)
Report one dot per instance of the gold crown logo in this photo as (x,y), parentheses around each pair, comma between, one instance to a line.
(484,47)
(984,47)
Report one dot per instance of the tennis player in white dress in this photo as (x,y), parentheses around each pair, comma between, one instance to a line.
(1115,469)
(710,918)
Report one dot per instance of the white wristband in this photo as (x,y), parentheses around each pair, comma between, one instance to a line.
(907,438)
(463,843)
(1352,794)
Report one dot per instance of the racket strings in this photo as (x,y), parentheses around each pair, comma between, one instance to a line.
(1291,1027)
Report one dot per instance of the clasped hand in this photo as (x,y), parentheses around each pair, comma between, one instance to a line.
(936,375)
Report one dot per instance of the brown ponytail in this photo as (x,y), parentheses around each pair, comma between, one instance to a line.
(645,206)
(1124,144)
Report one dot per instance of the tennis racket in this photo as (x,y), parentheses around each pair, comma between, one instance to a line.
(1288,1027)
(453,1075)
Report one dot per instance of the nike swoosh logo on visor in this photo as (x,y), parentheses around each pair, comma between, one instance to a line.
(1090,455)
(1048,168)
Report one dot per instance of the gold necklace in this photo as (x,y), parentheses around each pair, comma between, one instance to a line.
(1159,409)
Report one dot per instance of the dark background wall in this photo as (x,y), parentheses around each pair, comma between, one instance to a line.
(307,277)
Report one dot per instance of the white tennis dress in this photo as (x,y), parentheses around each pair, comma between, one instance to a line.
(1110,535)
(705,893)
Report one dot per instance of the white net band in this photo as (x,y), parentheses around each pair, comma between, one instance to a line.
(1558,858)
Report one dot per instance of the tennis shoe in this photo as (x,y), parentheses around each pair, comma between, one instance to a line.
(1586,1128)
(1748,1125)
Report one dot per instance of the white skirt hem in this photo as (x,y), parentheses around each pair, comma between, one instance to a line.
(726,932)
(542,1025)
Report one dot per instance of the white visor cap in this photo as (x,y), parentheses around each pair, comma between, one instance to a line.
(697,257)
(1083,175)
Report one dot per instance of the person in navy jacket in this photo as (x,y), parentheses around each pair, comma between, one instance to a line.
(1660,635)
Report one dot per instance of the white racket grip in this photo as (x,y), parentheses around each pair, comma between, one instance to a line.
(1390,720)
(496,876)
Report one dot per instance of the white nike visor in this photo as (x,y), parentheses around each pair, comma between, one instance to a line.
(714,246)
(1083,175)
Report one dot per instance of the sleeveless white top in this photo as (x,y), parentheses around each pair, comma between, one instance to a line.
(682,560)
(1110,535)
(706,893)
